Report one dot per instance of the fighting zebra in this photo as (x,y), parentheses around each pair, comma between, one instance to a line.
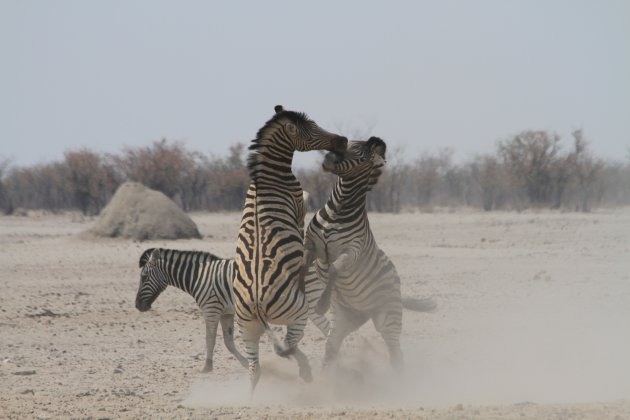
(346,257)
(208,279)
(270,246)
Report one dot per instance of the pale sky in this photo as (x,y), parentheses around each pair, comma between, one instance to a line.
(422,75)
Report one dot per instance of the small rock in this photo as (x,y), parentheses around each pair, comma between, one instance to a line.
(25,372)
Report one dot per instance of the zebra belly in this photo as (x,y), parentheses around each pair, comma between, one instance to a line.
(367,294)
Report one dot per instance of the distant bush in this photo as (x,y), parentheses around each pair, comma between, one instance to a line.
(529,169)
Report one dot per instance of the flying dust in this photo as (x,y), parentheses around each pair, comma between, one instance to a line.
(548,352)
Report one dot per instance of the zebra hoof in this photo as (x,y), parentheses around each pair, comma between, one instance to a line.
(207,368)
(283,351)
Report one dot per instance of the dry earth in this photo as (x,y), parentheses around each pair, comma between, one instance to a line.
(533,322)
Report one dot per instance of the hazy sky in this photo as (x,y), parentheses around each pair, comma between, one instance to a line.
(426,75)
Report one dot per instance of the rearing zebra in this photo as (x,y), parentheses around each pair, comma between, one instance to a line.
(209,280)
(364,280)
(270,245)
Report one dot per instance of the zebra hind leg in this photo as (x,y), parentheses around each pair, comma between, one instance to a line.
(321,322)
(212,322)
(227,325)
(389,324)
(251,337)
(295,332)
(346,321)
(303,365)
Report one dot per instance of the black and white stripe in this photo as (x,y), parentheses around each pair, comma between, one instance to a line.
(269,253)
(361,279)
(208,279)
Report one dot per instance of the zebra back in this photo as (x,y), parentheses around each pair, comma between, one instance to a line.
(206,277)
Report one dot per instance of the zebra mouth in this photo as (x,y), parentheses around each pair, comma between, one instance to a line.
(331,160)
(340,145)
(143,306)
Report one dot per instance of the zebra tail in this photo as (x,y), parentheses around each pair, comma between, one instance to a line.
(419,305)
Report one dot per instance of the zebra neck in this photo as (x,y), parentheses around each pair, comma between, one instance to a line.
(348,197)
(181,267)
(271,157)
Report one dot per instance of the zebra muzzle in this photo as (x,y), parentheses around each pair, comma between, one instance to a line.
(340,144)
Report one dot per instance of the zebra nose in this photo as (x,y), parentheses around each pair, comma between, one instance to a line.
(142,306)
(341,144)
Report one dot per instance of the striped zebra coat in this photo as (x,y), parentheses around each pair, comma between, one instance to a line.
(209,280)
(270,247)
(363,281)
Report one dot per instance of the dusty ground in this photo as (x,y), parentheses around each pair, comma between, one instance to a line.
(533,322)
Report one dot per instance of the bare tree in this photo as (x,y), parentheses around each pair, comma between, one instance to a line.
(585,170)
(160,166)
(428,173)
(488,174)
(228,180)
(5,199)
(387,193)
(89,179)
(529,158)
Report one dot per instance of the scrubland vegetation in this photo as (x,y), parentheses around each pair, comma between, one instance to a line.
(531,169)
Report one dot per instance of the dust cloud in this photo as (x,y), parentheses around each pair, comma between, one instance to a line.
(546,348)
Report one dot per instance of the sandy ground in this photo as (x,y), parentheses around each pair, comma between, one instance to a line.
(533,322)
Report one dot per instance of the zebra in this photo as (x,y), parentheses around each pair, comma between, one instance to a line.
(208,279)
(270,246)
(341,246)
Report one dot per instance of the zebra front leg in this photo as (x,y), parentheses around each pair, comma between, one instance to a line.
(212,322)
(307,261)
(341,264)
(227,325)
(314,288)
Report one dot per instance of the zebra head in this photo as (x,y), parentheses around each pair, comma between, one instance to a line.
(152,279)
(361,159)
(305,134)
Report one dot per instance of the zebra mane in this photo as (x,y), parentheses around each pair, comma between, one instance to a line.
(144,258)
(297,118)
(146,255)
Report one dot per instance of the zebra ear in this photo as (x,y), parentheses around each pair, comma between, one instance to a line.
(144,258)
(278,109)
(377,145)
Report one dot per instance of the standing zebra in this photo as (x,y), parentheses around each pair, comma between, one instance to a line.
(339,239)
(208,279)
(205,277)
(270,249)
